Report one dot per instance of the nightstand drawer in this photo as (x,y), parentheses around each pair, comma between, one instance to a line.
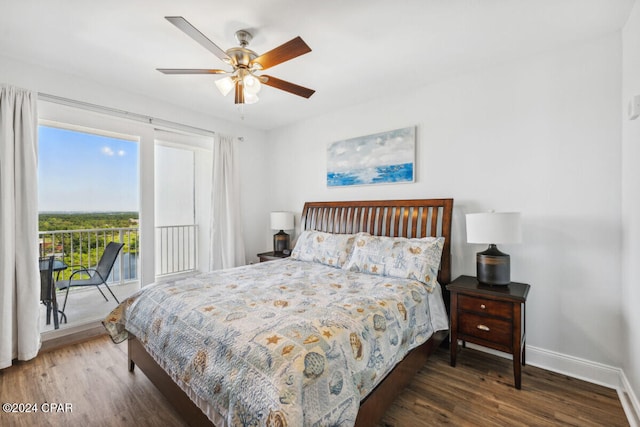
(486,328)
(485,306)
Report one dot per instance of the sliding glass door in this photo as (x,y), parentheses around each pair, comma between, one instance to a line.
(182,202)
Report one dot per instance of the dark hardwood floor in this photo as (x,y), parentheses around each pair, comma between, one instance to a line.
(479,391)
(93,378)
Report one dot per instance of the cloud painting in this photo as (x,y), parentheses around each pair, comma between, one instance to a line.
(382,158)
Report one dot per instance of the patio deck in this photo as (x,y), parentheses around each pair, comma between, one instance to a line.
(86,305)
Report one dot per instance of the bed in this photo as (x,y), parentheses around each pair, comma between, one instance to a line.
(336,320)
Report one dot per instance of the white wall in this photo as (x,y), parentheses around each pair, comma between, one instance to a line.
(631,203)
(541,136)
(252,150)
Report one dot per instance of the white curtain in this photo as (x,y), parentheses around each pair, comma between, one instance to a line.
(19,274)
(227,241)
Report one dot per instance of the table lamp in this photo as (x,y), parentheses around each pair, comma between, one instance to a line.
(493,267)
(281,221)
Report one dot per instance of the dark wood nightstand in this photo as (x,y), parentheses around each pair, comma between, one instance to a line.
(490,316)
(270,256)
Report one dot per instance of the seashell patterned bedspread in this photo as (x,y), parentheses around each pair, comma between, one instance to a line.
(286,342)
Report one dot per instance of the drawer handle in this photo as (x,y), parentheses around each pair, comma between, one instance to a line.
(483,328)
(482,306)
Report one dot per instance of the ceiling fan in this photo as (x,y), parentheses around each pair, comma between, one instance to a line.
(245,64)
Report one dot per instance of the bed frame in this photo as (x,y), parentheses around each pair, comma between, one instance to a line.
(395,218)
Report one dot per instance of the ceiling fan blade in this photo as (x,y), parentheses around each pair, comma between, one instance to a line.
(287,86)
(239,93)
(190,71)
(195,34)
(291,49)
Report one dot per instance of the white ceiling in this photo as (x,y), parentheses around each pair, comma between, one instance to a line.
(361,49)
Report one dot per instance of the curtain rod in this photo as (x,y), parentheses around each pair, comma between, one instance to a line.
(124,114)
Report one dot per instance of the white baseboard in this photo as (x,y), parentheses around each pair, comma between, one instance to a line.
(593,372)
(575,367)
(629,402)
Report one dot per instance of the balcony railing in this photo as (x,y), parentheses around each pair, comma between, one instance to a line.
(176,249)
(85,247)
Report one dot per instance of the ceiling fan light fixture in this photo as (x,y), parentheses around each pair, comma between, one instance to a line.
(250,98)
(251,84)
(225,85)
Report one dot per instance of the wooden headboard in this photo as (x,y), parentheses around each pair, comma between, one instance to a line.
(395,218)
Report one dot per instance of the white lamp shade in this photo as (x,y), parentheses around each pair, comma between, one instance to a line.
(250,98)
(251,85)
(494,228)
(281,221)
(225,85)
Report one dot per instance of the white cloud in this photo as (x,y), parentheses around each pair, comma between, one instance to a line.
(361,153)
(107,151)
(121,153)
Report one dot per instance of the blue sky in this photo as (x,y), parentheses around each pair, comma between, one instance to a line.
(86,172)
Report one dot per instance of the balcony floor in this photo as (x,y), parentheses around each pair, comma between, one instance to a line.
(86,305)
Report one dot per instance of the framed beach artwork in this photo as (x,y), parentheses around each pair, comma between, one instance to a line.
(382,158)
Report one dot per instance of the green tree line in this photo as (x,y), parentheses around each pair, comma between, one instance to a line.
(52,221)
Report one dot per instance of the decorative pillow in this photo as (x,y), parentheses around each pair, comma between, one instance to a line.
(417,259)
(325,248)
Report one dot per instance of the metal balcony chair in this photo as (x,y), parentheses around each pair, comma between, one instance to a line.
(97,276)
(47,290)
